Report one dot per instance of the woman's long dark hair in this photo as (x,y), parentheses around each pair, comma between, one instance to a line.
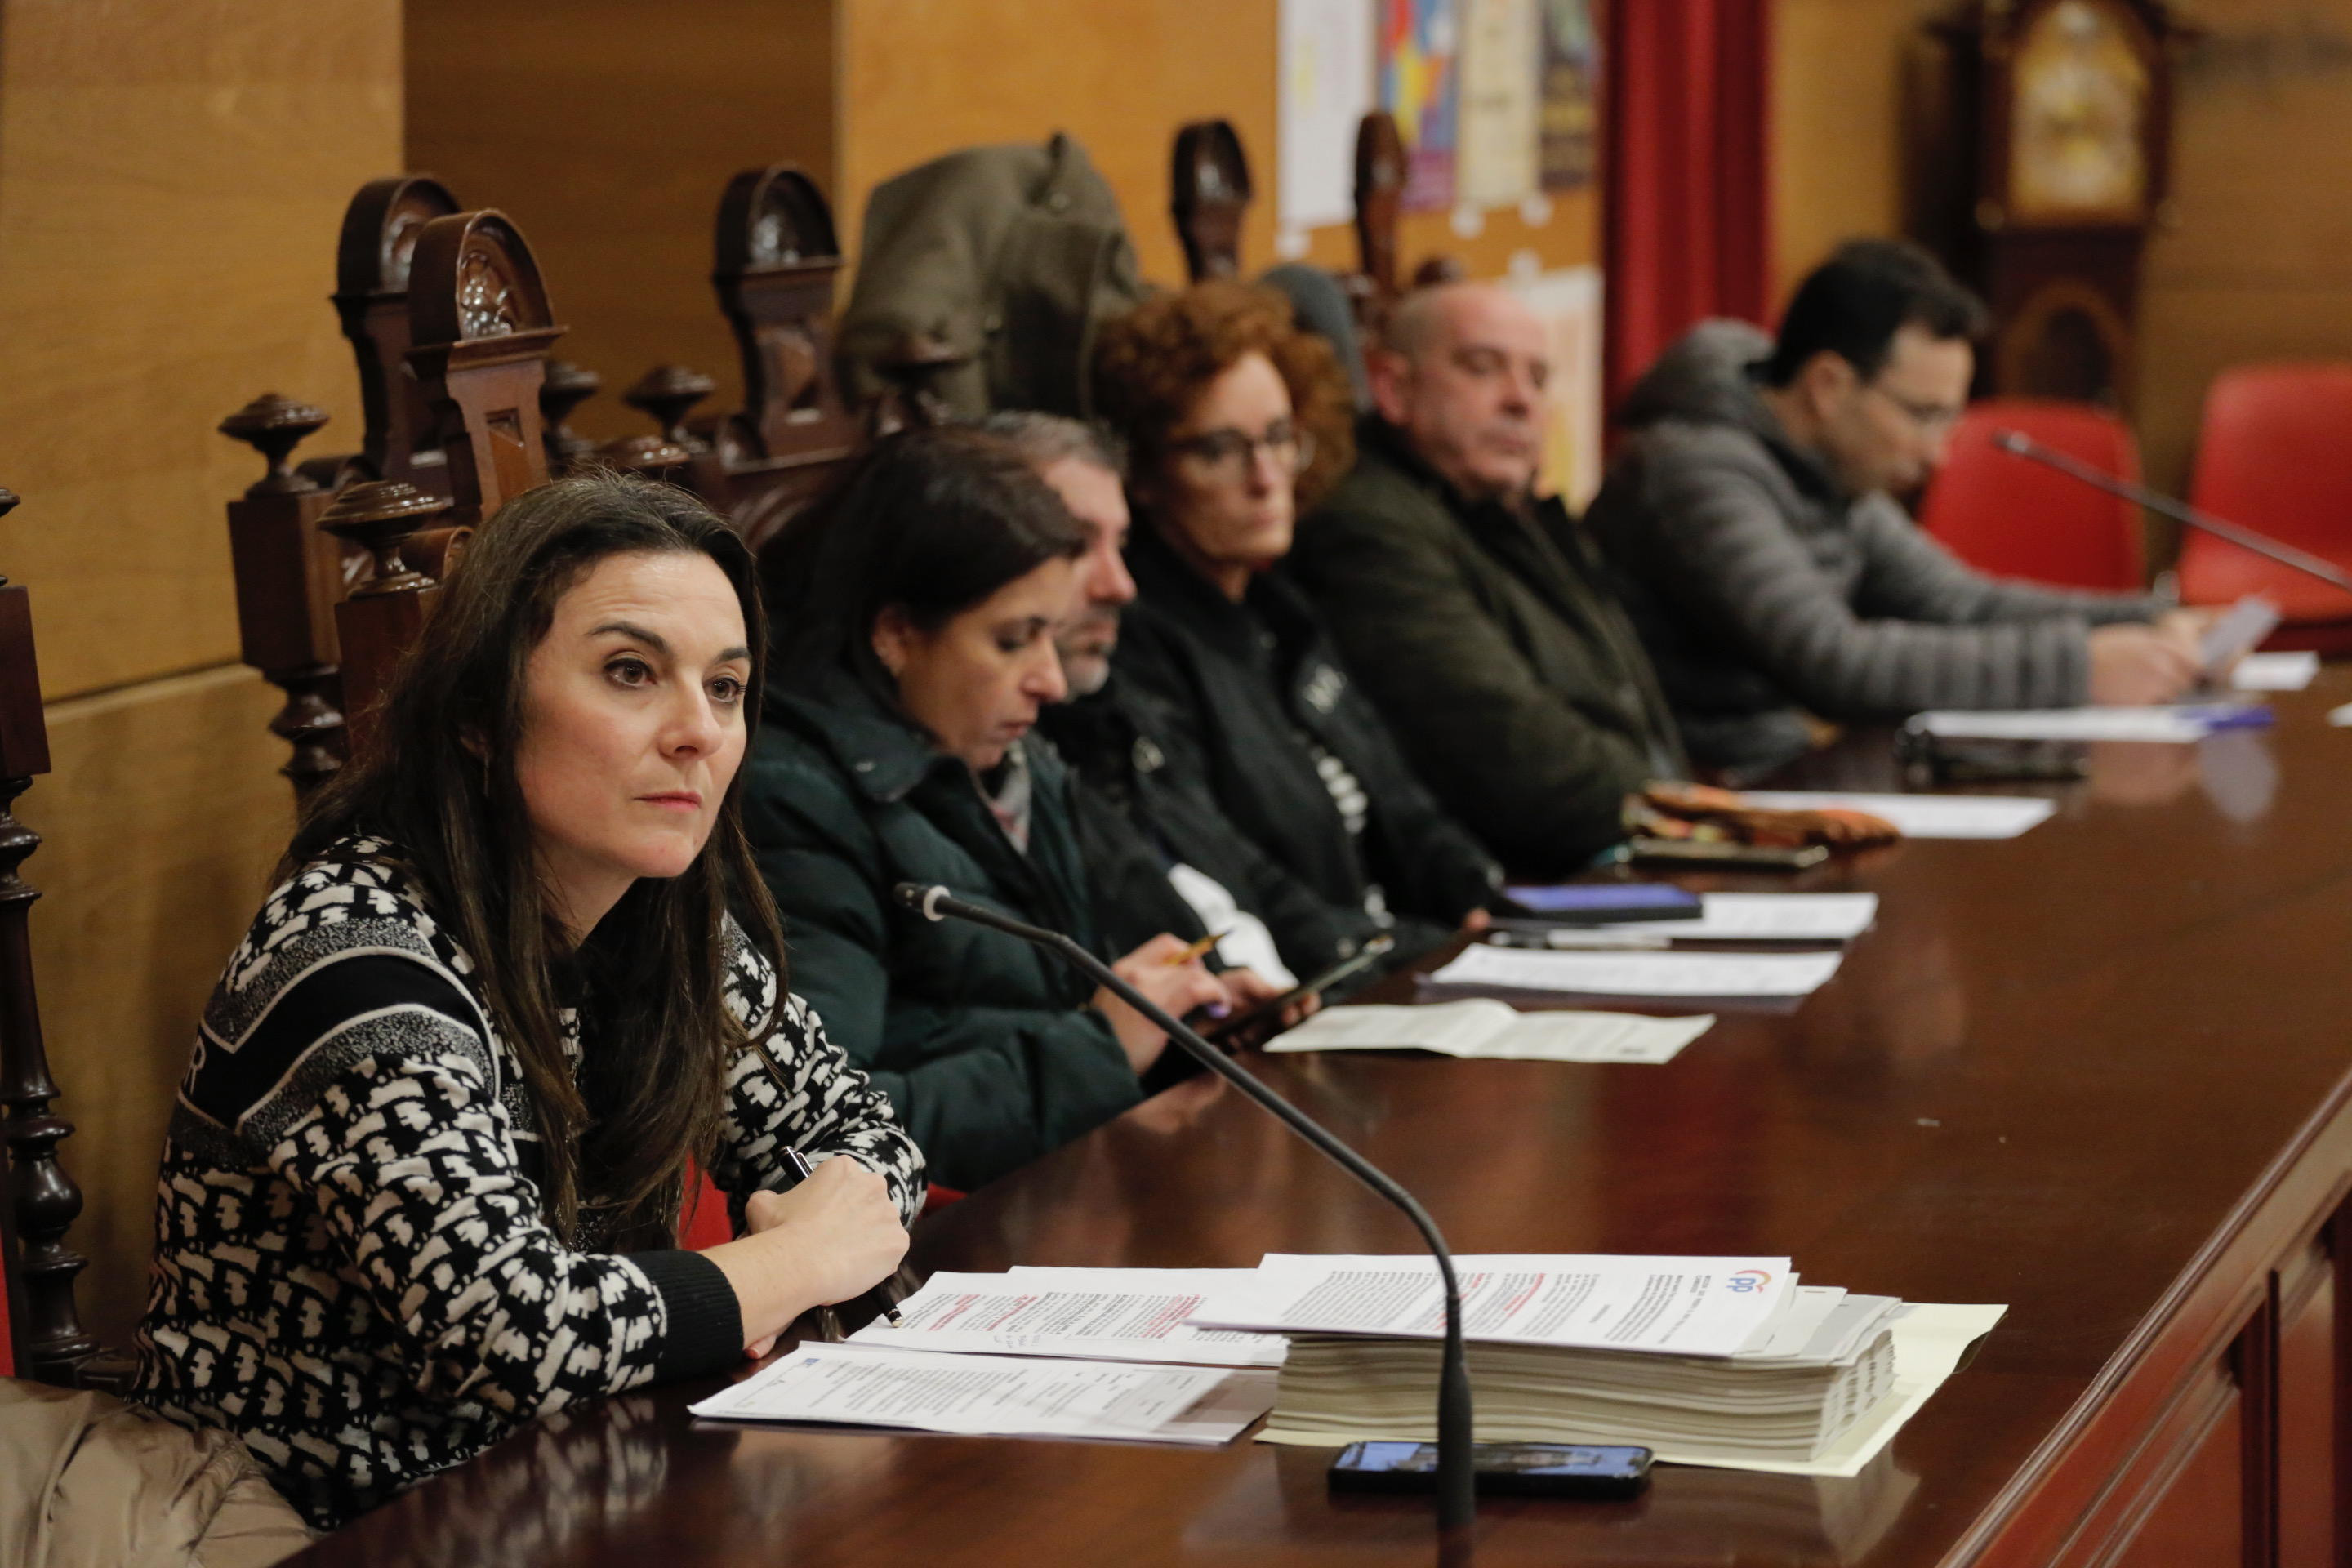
(439,784)
(930,522)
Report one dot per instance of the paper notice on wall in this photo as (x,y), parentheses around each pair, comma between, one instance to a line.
(1327,66)
(1421,85)
(1495,162)
(1569,118)
(1568,302)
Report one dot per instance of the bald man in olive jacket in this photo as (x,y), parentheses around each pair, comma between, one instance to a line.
(1470,609)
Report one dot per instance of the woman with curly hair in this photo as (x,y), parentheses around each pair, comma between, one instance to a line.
(1235,417)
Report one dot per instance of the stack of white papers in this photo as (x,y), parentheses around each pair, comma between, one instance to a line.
(1006,1396)
(1495,1031)
(2179,725)
(1641,974)
(1767,917)
(1686,1306)
(1725,1362)
(1696,1357)
(2275,671)
(1923,815)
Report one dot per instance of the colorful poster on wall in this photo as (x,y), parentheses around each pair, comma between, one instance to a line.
(1496,163)
(1569,301)
(1421,85)
(1570,116)
(1326,90)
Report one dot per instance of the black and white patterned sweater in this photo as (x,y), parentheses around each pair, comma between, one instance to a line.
(352,1272)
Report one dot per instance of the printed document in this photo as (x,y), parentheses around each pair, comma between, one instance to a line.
(2179,725)
(1641,974)
(1767,917)
(1004,1397)
(1925,816)
(1495,1031)
(1678,1306)
(1104,1314)
(2275,671)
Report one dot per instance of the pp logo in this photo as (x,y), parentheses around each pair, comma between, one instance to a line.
(1749,1281)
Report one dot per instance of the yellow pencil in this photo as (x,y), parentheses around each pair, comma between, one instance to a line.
(1193,950)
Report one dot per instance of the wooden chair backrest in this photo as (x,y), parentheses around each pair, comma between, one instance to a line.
(1209,197)
(46,1341)
(479,331)
(776,259)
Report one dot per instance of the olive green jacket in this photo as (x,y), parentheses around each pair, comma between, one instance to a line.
(1496,652)
(985,1044)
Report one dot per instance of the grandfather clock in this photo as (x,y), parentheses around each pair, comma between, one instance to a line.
(2038,133)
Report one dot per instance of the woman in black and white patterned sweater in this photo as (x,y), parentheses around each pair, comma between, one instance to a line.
(422,1181)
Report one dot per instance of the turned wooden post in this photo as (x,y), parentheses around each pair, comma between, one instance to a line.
(667,393)
(567,387)
(480,331)
(373,261)
(654,457)
(289,576)
(381,618)
(1211,194)
(47,1339)
(1380,194)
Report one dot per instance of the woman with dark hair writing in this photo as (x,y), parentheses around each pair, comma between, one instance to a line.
(520,969)
(916,610)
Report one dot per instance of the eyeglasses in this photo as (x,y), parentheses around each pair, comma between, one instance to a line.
(1227,457)
(1932,418)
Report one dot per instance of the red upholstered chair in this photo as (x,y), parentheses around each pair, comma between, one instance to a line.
(2015,518)
(2275,454)
(702,1221)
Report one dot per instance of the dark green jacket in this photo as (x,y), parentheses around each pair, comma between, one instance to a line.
(1006,259)
(1513,681)
(986,1045)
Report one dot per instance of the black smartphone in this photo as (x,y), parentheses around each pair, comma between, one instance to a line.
(1505,1469)
(1605,903)
(1713,852)
(1236,1029)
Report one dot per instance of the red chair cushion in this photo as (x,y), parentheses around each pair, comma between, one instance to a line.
(2013,516)
(702,1219)
(2275,454)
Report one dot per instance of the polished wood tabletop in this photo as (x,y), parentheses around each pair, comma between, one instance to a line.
(2049,1077)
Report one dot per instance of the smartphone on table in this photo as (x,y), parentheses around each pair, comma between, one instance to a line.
(1597,1471)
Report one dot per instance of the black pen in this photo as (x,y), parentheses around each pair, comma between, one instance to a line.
(886,1294)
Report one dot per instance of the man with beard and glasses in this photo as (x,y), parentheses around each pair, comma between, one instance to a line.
(1140,818)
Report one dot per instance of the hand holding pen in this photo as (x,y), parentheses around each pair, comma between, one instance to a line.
(844,1237)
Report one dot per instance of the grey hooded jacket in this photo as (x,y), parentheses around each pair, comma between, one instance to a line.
(1763,590)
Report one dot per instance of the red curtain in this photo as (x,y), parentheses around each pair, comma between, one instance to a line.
(1686,223)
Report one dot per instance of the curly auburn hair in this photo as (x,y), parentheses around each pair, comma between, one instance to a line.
(1151,363)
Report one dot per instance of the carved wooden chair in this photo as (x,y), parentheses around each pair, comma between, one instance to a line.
(46,1340)
(1209,197)
(775,265)
(289,574)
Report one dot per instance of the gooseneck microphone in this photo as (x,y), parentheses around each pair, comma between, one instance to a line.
(2019,444)
(1457,1480)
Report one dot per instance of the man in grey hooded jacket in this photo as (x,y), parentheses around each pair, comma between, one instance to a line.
(1751,523)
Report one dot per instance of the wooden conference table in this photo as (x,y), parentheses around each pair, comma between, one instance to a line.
(2097,1073)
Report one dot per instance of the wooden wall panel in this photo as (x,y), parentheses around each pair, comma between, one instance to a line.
(159,821)
(1836,123)
(921,78)
(171,177)
(608,128)
(2257,263)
